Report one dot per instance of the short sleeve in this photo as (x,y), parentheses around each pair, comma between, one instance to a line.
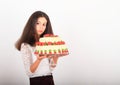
(26,57)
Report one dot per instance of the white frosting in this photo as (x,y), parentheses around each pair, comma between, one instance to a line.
(51,49)
(49,39)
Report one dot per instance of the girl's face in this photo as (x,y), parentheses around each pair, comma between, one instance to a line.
(40,25)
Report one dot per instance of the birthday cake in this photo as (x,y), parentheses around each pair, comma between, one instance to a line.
(51,44)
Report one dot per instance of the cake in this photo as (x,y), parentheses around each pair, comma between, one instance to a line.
(51,44)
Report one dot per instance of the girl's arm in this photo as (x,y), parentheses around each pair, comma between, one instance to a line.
(53,61)
(26,54)
(34,66)
(26,57)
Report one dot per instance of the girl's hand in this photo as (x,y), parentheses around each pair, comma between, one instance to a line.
(51,56)
(40,57)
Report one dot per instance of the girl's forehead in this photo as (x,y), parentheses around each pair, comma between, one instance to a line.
(42,19)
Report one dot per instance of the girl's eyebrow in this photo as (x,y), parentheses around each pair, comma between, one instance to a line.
(40,21)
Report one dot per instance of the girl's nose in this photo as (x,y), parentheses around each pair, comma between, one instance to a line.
(40,26)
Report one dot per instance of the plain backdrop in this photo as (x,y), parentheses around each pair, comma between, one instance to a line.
(90,28)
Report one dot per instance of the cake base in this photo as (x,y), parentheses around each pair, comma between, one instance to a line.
(52,55)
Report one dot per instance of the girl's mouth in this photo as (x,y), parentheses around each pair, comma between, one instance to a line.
(40,31)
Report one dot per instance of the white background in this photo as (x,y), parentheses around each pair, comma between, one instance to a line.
(91,29)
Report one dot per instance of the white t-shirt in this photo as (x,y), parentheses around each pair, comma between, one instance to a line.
(27,53)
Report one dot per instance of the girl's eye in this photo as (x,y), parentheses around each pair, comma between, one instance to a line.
(44,24)
(37,23)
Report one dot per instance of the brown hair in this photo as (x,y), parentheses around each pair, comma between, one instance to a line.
(29,34)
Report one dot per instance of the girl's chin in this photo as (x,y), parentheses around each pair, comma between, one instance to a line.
(39,34)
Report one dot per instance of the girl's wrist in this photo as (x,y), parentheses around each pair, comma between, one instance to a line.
(38,59)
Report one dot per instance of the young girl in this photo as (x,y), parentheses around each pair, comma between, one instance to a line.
(38,68)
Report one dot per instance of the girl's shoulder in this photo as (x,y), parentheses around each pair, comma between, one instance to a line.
(25,45)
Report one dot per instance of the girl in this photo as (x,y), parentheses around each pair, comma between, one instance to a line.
(38,68)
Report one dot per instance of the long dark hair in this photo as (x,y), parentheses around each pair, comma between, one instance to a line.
(29,34)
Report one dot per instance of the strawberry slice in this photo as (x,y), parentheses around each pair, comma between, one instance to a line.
(55,43)
(41,52)
(50,52)
(58,43)
(63,51)
(59,51)
(36,52)
(48,35)
(55,52)
(45,51)
(63,42)
(49,43)
(37,43)
(66,50)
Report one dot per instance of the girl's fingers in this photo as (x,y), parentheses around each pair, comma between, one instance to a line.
(41,56)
